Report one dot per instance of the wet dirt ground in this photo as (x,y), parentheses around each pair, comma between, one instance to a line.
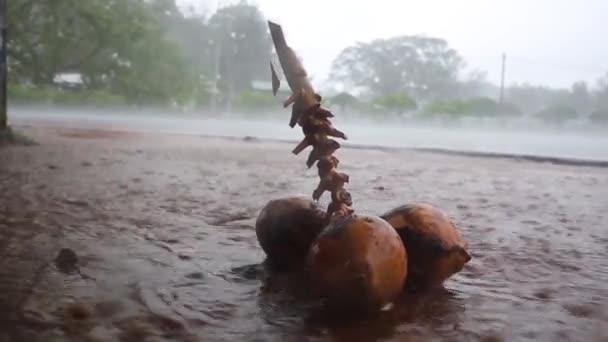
(163,228)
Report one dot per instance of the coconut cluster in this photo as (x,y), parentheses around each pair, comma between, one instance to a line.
(352,260)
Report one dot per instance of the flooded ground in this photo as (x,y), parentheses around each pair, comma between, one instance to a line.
(163,226)
(521,138)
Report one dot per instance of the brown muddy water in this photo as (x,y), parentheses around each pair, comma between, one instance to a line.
(163,228)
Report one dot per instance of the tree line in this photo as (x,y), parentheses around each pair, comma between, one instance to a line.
(133,52)
(129,52)
(423,76)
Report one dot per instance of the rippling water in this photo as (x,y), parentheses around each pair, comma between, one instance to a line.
(164,228)
(499,139)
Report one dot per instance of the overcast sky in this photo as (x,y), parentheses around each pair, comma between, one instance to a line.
(550,42)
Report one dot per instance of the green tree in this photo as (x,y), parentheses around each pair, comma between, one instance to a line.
(256,100)
(600,102)
(394,104)
(557,114)
(240,46)
(580,98)
(601,95)
(599,116)
(116,45)
(343,100)
(476,84)
(536,98)
(421,66)
(477,106)
(190,33)
(3,67)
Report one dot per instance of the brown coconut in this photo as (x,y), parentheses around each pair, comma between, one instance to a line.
(287,227)
(435,247)
(358,262)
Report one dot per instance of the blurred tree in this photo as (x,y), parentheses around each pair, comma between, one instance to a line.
(476,84)
(256,100)
(599,116)
(579,98)
(116,45)
(191,33)
(600,102)
(557,114)
(394,104)
(601,95)
(3,66)
(343,100)
(241,47)
(422,66)
(535,98)
(476,106)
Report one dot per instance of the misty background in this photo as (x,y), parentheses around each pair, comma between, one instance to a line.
(380,65)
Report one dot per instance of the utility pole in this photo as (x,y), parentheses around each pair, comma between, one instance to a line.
(502,78)
(3,64)
(216,74)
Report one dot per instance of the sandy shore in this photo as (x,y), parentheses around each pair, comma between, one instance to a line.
(163,227)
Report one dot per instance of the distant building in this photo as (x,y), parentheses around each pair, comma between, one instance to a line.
(69,80)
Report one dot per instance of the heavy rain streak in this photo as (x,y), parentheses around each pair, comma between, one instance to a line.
(203,170)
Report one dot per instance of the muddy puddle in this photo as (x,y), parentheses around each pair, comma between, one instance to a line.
(163,230)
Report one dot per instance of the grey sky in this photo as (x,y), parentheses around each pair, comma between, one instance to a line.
(551,42)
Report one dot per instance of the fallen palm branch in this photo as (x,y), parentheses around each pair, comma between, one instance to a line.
(315,122)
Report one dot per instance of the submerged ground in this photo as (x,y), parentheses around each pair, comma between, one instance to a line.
(163,226)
